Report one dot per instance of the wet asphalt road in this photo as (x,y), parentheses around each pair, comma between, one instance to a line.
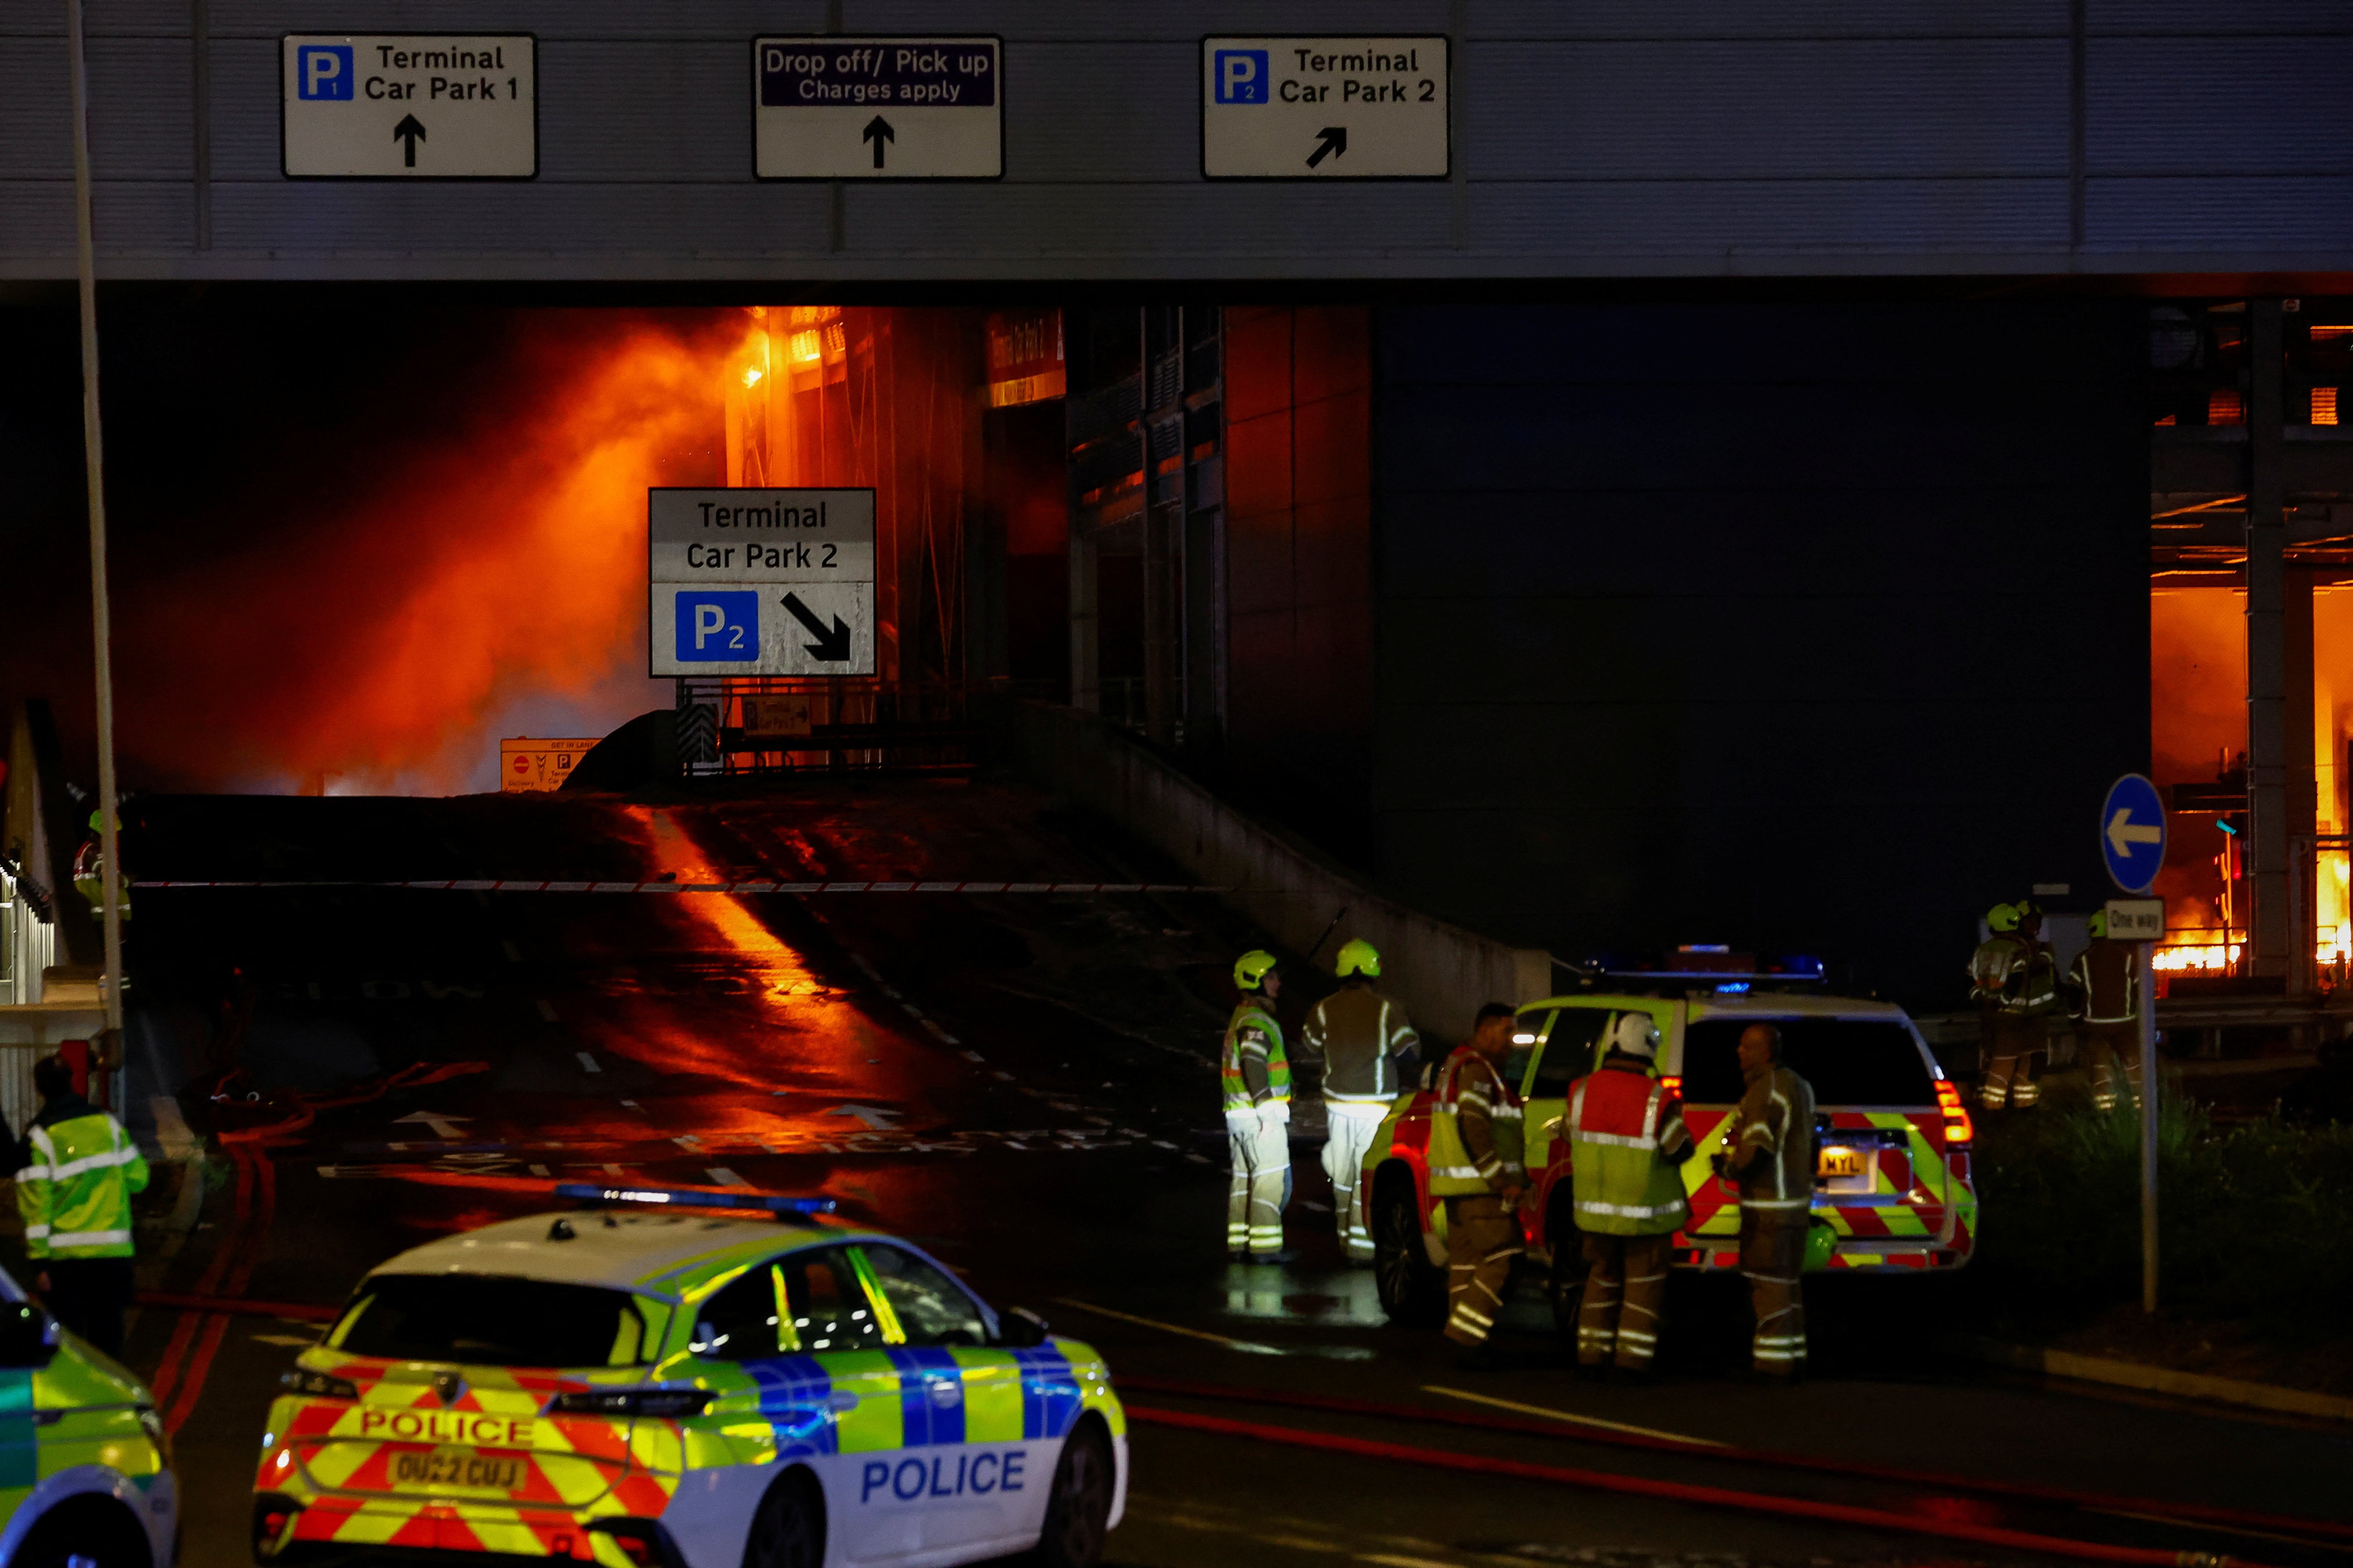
(1023,1083)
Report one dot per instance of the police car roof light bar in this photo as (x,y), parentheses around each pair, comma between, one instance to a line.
(683,1197)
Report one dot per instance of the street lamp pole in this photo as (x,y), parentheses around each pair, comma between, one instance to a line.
(94,455)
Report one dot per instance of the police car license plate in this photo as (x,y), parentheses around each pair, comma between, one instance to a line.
(465,1469)
(1833,1163)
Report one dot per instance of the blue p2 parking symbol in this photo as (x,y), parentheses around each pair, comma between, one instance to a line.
(718,628)
(324,70)
(1240,76)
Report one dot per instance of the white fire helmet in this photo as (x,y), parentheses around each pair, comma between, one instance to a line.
(1635,1035)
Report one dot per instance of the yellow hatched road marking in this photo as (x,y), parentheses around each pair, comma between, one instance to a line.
(1564,1416)
(1389,1559)
(1300,1544)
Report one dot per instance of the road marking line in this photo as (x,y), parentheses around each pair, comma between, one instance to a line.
(1296,1542)
(547,1011)
(1564,1416)
(297,1342)
(1248,1347)
(721,1176)
(1389,1559)
(540,1170)
(587,1062)
(514,953)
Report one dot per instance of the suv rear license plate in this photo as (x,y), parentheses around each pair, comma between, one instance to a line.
(461,1468)
(1834,1162)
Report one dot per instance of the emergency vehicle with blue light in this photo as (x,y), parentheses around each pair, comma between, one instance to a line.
(85,1466)
(1893,1185)
(664,1380)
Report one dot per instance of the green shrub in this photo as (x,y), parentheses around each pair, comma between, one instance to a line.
(2254,1221)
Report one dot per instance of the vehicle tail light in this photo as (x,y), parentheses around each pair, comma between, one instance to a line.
(1960,1131)
(1672,1082)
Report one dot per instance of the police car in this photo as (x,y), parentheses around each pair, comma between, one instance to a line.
(1892,1184)
(650,1385)
(85,1468)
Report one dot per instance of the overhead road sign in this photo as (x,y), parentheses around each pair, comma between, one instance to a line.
(760,582)
(362,106)
(2132,833)
(1325,109)
(877,108)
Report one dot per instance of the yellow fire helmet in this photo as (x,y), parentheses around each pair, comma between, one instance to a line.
(1252,967)
(2098,923)
(1358,956)
(2003,917)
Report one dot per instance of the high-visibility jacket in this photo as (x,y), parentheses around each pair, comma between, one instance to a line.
(2016,975)
(1358,1031)
(1771,1136)
(1251,1066)
(74,1193)
(1626,1136)
(1476,1142)
(2107,981)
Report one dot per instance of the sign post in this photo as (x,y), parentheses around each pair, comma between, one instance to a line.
(2131,842)
(1325,109)
(759,582)
(837,107)
(407,107)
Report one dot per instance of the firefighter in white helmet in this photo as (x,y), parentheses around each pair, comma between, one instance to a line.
(1626,1139)
(1256,1077)
(1367,1047)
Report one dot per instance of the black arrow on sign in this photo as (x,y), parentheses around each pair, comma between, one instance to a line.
(878,131)
(410,131)
(831,647)
(1336,140)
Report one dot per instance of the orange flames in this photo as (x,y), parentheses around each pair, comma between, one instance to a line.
(461,597)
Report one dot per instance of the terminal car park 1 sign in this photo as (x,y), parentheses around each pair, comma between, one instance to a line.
(877,108)
(408,107)
(760,581)
(1325,109)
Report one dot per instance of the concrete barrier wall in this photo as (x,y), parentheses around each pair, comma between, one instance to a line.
(1440,971)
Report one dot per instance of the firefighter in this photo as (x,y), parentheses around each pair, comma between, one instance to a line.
(74,1193)
(90,870)
(2018,981)
(1626,1138)
(1477,1166)
(1770,1155)
(2104,988)
(1368,1047)
(1256,1076)
(1988,965)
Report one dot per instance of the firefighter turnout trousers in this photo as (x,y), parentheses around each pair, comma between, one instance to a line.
(2017,1040)
(1482,1237)
(1352,1128)
(1261,1186)
(1773,1260)
(2112,1056)
(1625,1288)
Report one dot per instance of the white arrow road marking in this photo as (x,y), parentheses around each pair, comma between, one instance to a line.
(874,1116)
(443,1126)
(2124,833)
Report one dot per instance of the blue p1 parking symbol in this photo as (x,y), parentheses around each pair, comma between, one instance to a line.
(1240,76)
(718,628)
(324,70)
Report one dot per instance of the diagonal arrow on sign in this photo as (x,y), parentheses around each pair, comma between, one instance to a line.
(1334,140)
(2124,833)
(832,647)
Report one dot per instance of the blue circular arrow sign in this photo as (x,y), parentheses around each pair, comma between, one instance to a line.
(2132,833)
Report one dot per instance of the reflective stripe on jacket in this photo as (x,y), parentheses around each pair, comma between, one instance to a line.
(1476,1143)
(1252,1067)
(74,1191)
(2016,975)
(2106,978)
(1772,1140)
(1358,1031)
(1626,1137)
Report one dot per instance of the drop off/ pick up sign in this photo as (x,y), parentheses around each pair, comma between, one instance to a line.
(760,582)
(877,109)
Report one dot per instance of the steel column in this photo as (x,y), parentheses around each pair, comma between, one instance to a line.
(2268,824)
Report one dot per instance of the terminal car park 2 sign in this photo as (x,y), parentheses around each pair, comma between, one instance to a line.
(760,582)
(877,108)
(1325,109)
(356,106)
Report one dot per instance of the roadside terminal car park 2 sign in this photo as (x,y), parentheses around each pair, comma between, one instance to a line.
(760,582)
(877,108)
(1325,109)
(356,106)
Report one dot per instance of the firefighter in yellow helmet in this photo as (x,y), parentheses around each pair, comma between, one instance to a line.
(90,870)
(1256,1077)
(1626,1139)
(2015,982)
(2104,986)
(1478,1167)
(1368,1047)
